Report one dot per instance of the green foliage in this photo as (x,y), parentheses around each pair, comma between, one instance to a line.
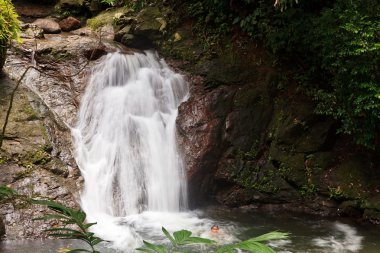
(6,193)
(69,217)
(9,27)
(254,245)
(333,48)
(9,23)
(183,237)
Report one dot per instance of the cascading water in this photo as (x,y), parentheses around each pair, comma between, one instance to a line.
(125,141)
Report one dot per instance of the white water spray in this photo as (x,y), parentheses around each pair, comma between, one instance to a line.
(125,141)
(125,138)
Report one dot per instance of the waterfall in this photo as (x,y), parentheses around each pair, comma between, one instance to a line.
(125,146)
(125,139)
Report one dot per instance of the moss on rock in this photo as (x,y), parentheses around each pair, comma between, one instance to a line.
(108,17)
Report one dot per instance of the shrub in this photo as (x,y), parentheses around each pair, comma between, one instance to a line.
(9,27)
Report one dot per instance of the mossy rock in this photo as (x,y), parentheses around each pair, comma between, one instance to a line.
(292,165)
(372,215)
(107,17)
(150,23)
(351,178)
(66,8)
(372,203)
(248,97)
(321,160)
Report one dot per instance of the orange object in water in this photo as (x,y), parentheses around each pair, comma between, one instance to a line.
(215,229)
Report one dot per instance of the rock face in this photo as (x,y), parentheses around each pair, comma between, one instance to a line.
(29,10)
(249,142)
(69,24)
(36,158)
(48,25)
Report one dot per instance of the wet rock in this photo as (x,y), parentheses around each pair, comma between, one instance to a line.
(372,216)
(32,31)
(150,23)
(84,31)
(30,10)
(136,41)
(38,139)
(106,18)
(123,32)
(69,24)
(95,53)
(48,25)
(199,135)
(350,208)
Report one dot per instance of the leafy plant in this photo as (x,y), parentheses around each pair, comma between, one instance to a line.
(183,237)
(254,245)
(69,217)
(6,192)
(9,27)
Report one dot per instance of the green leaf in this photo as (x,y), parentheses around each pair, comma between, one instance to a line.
(255,247)
(146,250)
(181,235)
(275,235)
(253,244)
(78,250)
(168,235)
(198,240)
(154,248)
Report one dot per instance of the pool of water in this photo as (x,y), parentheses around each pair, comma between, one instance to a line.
(309,234)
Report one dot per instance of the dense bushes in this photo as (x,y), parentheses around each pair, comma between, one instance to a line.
(9,27)
(332,47)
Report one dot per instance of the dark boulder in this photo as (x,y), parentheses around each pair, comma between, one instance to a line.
(69,24)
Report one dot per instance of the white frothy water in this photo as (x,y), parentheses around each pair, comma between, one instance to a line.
(125,138)
(346,239)
(125,146)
